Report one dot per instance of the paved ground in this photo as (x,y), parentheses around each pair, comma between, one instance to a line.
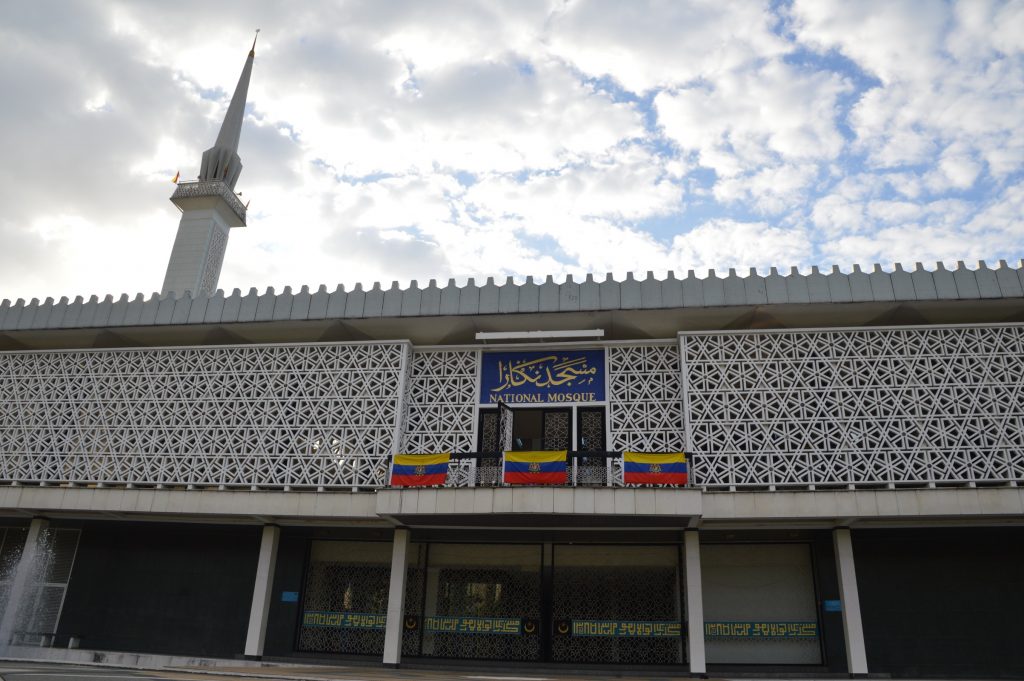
(41,671)
(45,671)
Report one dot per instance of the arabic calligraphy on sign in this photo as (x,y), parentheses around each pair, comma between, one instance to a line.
(473,625)
(625,629)
(762,630)
(541,377)
(343,620)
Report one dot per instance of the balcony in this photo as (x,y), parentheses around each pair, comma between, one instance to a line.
(185,192)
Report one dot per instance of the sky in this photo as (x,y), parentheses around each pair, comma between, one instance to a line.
(409,140)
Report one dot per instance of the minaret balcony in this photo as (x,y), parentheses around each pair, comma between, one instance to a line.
(204,194)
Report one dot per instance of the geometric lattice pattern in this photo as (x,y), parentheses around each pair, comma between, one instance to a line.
(592,470)
(318,415)
(440,396)
(603,593)
(556,430)
(341,587)
(498,582)
(878,407)
(214,261)
(645,403)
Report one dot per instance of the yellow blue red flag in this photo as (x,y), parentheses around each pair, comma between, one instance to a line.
(640,468)
(535,468)
(419,470)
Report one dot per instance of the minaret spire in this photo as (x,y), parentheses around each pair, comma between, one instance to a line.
(209,206)
(221,161)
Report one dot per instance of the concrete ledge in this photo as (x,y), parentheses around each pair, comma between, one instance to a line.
(220,506)
(866,505)
(539,500)
(385,507)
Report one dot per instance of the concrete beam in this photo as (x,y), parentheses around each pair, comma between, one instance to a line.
(586,501)
(387,507)
(960,503)
(183,505)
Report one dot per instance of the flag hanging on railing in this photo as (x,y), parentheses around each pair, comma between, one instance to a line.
(535,468)
(419,470)
(654,469)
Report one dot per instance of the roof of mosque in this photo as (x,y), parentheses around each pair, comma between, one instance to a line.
(650,293)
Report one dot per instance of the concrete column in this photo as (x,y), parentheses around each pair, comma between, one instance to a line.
(856,657)
(396,599)
(22,580)
(694,603)
(262,591)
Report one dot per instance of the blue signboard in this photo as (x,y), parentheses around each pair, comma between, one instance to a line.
(289,596)
(542,377)
(833,606)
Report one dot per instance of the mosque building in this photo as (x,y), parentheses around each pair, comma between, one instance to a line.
(815,473)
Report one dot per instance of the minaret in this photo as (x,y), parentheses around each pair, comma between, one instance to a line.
(209,206)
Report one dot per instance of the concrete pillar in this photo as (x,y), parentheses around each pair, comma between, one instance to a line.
(22,580)
(694,603)
(262,591)
(853,630)
(396,599)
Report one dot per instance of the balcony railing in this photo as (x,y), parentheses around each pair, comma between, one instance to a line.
(201,188)
(325,470)
(584,469)
(316,471)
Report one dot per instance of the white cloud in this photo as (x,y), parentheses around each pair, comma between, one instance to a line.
(1004,215)
(644,45)
(721,244)
(952,82)
(627,184)
(761,130)
(775,110)
(769,190)
(600,246)
(894,211)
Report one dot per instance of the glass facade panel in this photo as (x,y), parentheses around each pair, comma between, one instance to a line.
(481,601)
(345,601)
(616,604)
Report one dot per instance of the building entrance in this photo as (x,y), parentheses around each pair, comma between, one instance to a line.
(572,603)
(475,601)
(587,604)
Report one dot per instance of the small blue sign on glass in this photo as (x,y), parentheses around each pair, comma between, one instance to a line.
(542,377)
(289,596)
(833,606)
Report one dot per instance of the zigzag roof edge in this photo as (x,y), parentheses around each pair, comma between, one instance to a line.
(961,283)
